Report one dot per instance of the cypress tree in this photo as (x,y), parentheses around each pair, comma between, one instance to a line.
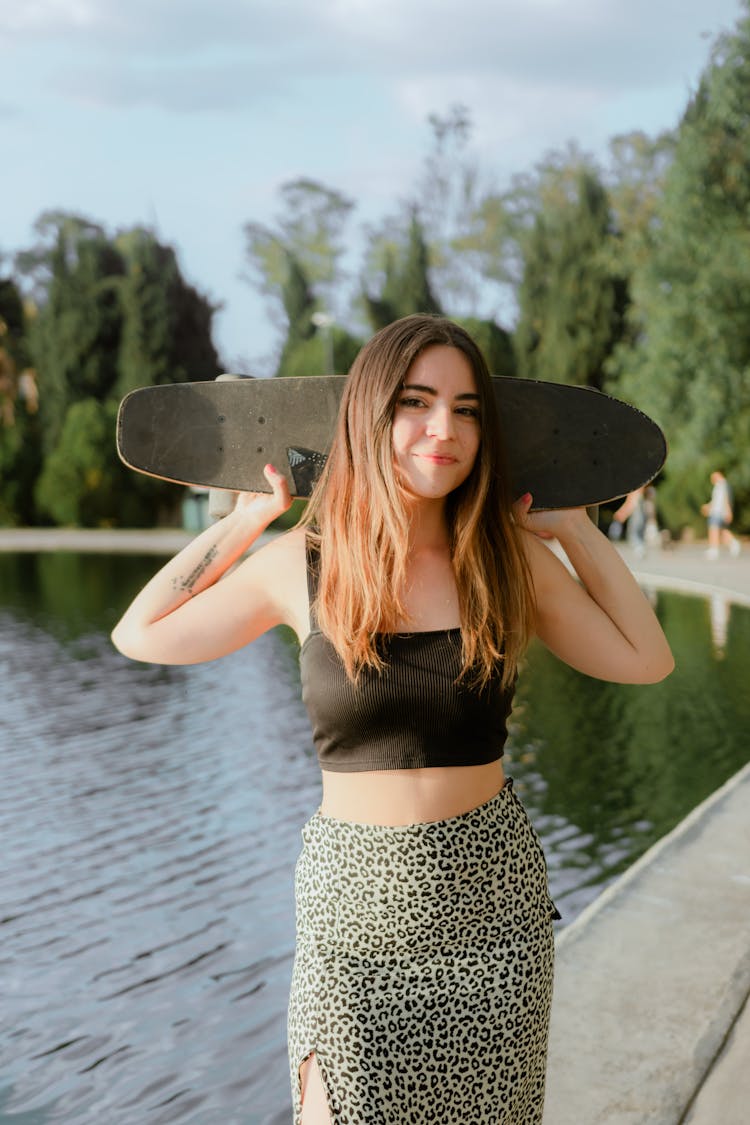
(571,305)
(166,333)
(406,284)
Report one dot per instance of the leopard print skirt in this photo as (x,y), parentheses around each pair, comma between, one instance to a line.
(422,978)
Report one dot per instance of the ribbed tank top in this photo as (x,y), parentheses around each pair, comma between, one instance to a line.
(414,714)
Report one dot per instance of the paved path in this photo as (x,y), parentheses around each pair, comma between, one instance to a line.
(686,567)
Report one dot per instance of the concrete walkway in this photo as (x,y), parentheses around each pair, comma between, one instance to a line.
(651,1020)
(162,541)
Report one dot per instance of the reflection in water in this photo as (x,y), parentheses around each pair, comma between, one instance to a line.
(720,609)
(151,818)
(609,768)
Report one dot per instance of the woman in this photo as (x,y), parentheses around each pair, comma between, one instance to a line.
(423,970)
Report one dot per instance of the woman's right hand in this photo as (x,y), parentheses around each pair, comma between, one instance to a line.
(265,507)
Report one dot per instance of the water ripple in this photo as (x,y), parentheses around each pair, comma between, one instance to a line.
(143,845)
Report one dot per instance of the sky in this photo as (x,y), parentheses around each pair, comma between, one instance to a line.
(187,116)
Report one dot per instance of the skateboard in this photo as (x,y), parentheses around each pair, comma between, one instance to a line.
(568,446)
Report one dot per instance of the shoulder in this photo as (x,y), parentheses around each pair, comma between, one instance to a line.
(281,555)
(538,554)
(549,574)
(280,565)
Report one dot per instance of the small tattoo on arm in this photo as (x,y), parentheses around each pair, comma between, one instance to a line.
(197,572)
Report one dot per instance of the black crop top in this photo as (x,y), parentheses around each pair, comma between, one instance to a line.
(412,715)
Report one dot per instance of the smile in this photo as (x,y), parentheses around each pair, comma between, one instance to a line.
(438,458)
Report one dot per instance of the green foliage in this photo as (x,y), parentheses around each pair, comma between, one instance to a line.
(78,484)
(299,303)
(82,484)
(689,363)
(571,304)
(639,165)
(312,225)
(13,324)
(166,325)
(307,235)
(448,199)
(330,351)
(75,338)
(111,315)
(314,344)
(495,342)
(20,433)
(20,463)
(405,282)
(296,264)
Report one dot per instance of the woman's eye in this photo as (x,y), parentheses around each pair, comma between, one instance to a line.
(468,412)
(411,402)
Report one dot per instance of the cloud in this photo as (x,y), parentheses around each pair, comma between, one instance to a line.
(620,42)
(174,87)
(158,27)
(187,56)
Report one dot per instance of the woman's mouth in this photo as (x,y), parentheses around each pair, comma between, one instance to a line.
(438,458)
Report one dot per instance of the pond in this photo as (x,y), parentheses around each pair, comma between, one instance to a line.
(150,820)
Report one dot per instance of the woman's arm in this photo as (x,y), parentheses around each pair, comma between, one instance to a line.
(602,625)
(185,614)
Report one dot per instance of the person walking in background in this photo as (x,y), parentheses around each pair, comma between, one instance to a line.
(651,533)
(631,514)
(719,515)
(422,978)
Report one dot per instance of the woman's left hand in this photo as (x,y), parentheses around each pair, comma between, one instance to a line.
(547,523)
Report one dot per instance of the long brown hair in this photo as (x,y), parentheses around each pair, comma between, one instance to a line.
(359,517)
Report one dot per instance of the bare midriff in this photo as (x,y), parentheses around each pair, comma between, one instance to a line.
(399,797)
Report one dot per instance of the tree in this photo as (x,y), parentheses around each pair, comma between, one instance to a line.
(447,199)
(166,324)
(111,314)
(307,234)
(688,361)
(496,344)
(296,264)
(75,336)
(20,439)
(81,483)
(74,486)
(405,286)
(571,302)
(635,182)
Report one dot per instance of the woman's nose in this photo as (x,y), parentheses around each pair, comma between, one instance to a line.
(440,422)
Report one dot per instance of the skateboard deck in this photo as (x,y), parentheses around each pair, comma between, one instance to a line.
(568,446)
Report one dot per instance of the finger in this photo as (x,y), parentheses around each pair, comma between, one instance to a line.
(521,506)
(279,485)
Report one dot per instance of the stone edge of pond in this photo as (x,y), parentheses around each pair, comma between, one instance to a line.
(652,976)
(161,541)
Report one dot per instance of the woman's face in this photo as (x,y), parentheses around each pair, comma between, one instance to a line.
(436,424)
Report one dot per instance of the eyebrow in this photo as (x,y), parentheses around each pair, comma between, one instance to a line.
(431,391)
